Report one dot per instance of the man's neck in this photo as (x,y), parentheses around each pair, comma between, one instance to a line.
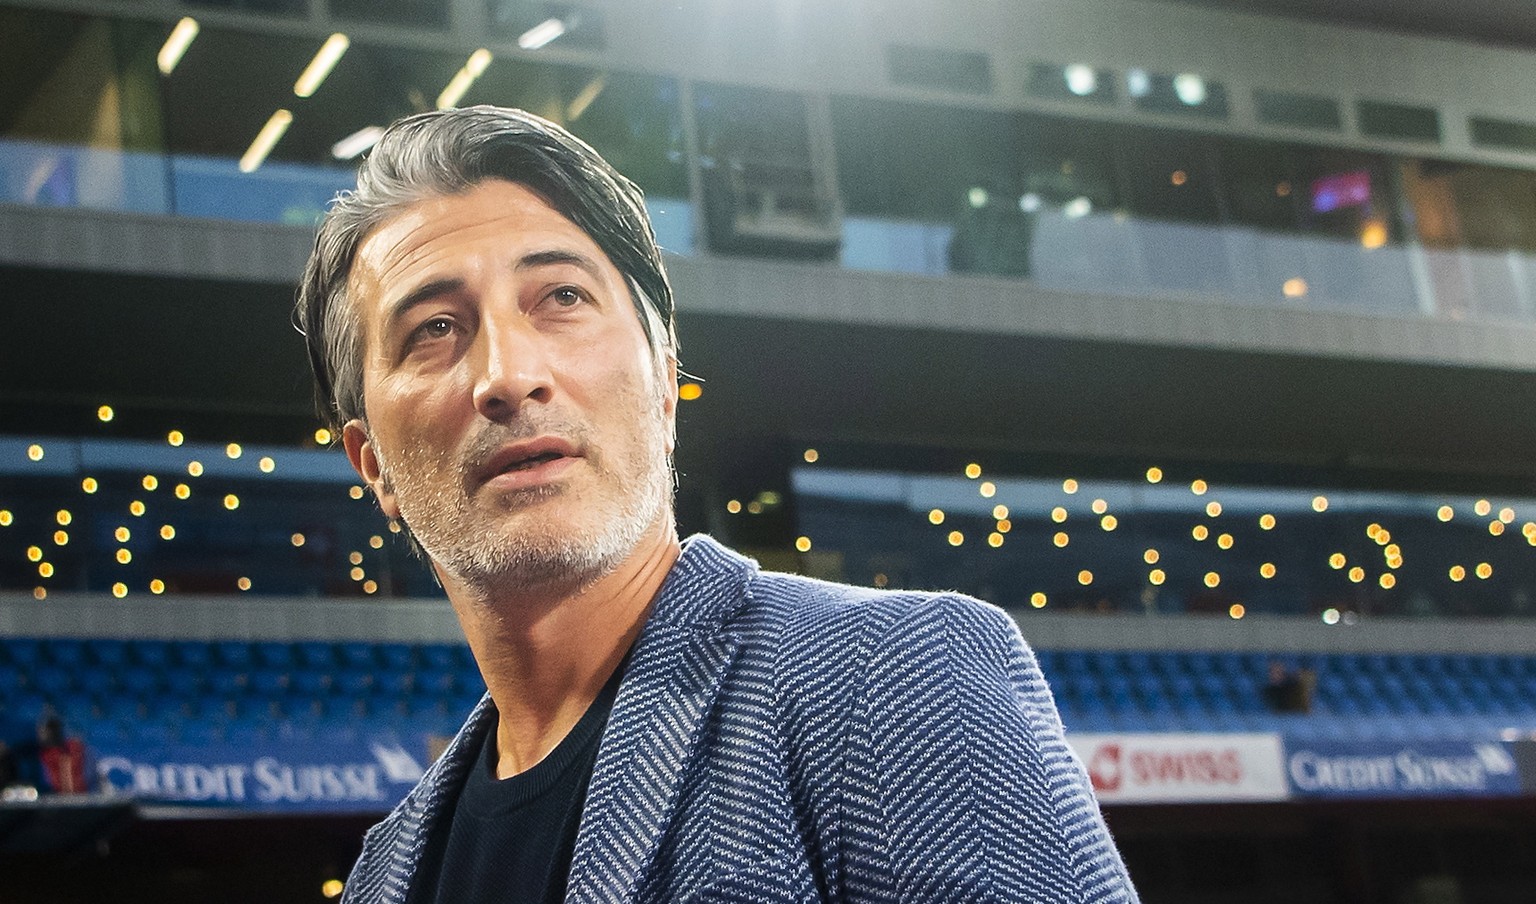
(546,655)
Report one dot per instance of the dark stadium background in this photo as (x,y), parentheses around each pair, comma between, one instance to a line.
(1199,335)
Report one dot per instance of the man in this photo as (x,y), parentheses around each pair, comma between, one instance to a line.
(492,332)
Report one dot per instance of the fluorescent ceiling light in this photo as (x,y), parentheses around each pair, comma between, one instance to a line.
(357,142)
(1081,79)
(541,34)
(585,97)
(176,45)
(1190,88)
(1138,83)
(321,66)
(265,140)
(459,84)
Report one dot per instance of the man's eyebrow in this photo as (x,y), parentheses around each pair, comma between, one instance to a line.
(559,256)
(425,292)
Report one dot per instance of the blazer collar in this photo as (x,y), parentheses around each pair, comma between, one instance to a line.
(674,674)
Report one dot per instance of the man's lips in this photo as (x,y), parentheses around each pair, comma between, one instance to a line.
(527,456)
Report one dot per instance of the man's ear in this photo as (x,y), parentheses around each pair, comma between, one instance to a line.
(365,461)
(669,403)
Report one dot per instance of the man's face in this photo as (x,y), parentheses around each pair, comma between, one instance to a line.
(516,419)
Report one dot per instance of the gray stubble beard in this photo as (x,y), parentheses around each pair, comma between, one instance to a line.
(490,563)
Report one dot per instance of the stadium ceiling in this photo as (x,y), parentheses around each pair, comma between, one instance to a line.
(1505,22)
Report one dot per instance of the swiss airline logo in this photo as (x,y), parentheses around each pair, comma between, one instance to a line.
(1104,768)
(1180,767)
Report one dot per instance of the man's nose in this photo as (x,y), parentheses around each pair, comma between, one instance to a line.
(513,368)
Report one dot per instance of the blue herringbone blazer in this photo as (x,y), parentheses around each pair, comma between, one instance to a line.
(777,739)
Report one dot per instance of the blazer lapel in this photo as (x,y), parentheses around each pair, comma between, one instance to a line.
(654,731)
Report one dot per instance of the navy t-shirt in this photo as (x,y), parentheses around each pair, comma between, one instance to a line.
(511,840)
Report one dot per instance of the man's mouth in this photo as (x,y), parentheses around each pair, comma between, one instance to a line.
(531,462)
(529,455)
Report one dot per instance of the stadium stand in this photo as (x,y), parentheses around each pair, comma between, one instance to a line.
(196,691)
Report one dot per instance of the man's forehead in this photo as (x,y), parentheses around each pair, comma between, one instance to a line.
(494,210)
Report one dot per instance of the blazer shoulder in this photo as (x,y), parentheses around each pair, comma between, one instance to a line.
(813,615)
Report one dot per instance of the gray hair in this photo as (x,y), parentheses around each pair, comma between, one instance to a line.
(447,152)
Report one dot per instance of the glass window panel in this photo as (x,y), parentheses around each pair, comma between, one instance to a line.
(947,70)
(1304,110)
(1170,175)
(1502,133)
(410,13)
(763,190)
(1468,205)
(1258,184)
(1387,120)
(255,6)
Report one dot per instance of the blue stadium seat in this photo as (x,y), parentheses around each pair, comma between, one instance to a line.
(398,656)
(273,655)
(439,656)
(268,682)
(52,679)
(139,680)
(96,679)
(317,654)
(66,651)
(195,653)
(26,652)
(394,683)
(1073,662)
(155,654)
(228,682)
(109,652)
(353,683)
(359,655)
(234,654)
(310,682)
(184,680)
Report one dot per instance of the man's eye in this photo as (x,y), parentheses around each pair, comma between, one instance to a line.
(436,328)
